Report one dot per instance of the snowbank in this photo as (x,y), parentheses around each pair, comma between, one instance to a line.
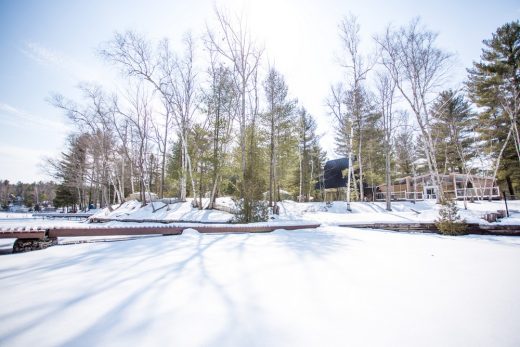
(183,211)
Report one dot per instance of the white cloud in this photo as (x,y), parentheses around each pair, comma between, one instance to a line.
(41,54)
(58,60)
(72,67)
(12,116)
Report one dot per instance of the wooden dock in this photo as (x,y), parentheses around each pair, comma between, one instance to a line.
(472,228)
(30,239)
(142,220)
(79,215)
(177,229)
(23,233)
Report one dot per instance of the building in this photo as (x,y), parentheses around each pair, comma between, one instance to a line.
(332,181)
(455,186)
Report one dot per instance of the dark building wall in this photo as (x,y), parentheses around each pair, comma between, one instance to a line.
(332,174)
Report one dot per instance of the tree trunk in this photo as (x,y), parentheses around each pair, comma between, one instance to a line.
(387,176)
(510,185)
(360,163)
(500,156)
(272,160)
(350,168)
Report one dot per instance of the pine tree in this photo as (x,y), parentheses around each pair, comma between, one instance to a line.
(309,154)
(219,105)
(449,221)
(276,120)
(452,125)
(404,152)
(65,196)
(494,85)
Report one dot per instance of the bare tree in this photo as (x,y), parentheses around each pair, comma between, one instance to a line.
(417,68)
(96,120)
(386,92)
(138,115)
(337,105)
(184,102)
(233,42)
(135,56)
(358,67)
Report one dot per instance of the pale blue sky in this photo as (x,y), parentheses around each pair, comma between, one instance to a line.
(50,46)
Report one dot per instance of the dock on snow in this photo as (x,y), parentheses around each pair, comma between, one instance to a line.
(472,228)
(54,232)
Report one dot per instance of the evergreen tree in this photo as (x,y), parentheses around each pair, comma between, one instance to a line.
(251,207)
(276,120)
(65,196)
(173,168)
(202,160)
(452,125)
(494,85)
(309,154)
(374,166)
(404,152)
(73,168)
(220,106)
(449,221)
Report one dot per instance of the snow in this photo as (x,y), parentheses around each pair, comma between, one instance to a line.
(331,286)
(402,212)
(335,214)
(14,215)
(179,211)
(327,287)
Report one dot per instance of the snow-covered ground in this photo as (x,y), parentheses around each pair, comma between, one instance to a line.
(290,213)
(179,211)
(331,286)
(326,287)
(335,214)
(402,212)
(14,215)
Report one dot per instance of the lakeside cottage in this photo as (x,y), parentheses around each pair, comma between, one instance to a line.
(455,186)
(332,184)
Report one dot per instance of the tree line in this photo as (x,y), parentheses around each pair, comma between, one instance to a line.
(395,117)
(32,195)
(232,127)
(178,130)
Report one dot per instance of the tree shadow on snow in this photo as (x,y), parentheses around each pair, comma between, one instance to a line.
(139,273)
(139,256)
(313,242)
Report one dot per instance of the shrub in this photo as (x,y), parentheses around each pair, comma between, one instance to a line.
(449,221)
(252,211)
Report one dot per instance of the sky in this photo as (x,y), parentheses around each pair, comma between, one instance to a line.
(51,46)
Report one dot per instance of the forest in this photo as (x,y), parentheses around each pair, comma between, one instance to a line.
(231,126)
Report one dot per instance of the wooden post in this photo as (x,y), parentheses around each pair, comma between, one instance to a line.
(455,185)
(505,202)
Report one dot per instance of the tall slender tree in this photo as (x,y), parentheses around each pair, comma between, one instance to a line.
(278,116)
(494,85)
(417,68)
(232,41)
(358,68)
